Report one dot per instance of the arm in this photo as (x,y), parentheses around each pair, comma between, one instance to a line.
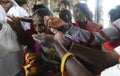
(83,35)
(20,32)
(26,19)
(96,37)
(72,66)
(96,57)
(99,58)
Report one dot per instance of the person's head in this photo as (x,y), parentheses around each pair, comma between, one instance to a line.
(38,18)
(66,15)
(114,13)
(81,12)
(6,4)
(64,4)
(22,3)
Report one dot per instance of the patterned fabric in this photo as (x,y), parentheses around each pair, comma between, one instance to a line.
(36,66)
(41,61)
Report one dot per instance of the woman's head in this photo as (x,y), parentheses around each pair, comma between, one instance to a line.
(64,4)
(81,12)
(38,17)
(65,15)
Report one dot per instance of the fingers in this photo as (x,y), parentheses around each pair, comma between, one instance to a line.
(35,37)
(10,18)
(46,19)
(13,18)
(39,37)
(9,21)
(53,22)
(54,31)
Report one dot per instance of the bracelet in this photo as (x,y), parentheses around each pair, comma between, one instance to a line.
(65,57)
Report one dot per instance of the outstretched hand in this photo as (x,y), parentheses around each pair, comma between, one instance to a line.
(14,22)
(44,38)
(48,39)
(53,22)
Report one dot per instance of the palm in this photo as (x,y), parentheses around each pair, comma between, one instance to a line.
(53,22)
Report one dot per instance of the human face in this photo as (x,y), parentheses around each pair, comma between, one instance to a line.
(25,6)
(39,26)
(6,4)
(78,15)
(63,6)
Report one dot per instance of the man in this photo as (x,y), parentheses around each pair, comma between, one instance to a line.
(18,11)
(10,34)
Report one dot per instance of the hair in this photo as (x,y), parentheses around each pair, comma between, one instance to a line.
(39,6)
(21,2)
(63,13)
(85,10)
(66,3)
(114,13)
(41,11)
(66,16)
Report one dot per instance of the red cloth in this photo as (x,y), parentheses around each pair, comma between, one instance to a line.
(30,32)
(38,48)
(92,27)
(110,45)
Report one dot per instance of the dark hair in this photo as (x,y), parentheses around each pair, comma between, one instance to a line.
(66,3)
(114,13)
(63,13)
(41,11)
(85,10)
(39,6)
(21,2)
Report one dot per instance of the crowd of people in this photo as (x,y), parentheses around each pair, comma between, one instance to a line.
(42,44)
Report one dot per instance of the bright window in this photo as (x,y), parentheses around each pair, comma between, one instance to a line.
(106,6)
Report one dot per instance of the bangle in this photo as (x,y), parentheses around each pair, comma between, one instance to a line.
(65,57)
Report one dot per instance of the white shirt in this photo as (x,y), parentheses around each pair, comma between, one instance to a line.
(18,11)
(112,71)
(10,54)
